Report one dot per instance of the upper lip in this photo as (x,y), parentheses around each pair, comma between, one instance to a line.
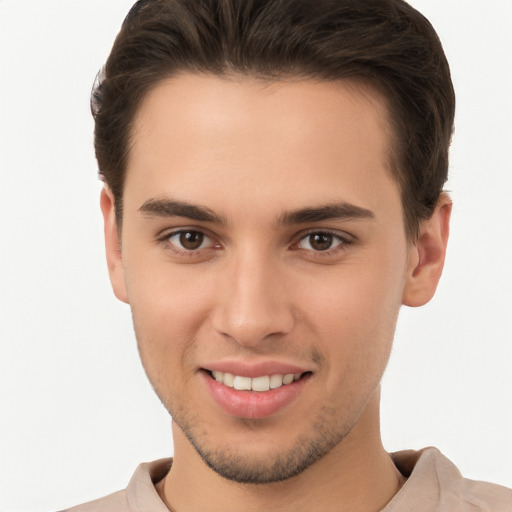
(258,369)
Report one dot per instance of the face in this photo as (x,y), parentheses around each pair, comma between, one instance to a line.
(264,257)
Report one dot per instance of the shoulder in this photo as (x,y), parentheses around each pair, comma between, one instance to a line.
(139,496)
(116,502)
(435,483)
(486,496)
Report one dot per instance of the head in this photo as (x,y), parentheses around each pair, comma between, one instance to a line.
(384,44)
(273,195)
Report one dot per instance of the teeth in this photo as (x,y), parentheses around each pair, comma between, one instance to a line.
(288,379)
(229,379)
(242,383)
(263,383)
(276,381)
(260,383)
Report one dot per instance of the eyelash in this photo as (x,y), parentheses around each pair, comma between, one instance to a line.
(166,239)
(344,241)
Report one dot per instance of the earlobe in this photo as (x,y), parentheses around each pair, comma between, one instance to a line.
(113,245)
(427,255)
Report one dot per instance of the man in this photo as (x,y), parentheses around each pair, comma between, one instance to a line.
(273,194)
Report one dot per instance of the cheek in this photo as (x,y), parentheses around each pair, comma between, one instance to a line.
(166,297)
(355,298)
(354,315)
(168,308)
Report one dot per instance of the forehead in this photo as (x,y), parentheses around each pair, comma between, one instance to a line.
(203,136)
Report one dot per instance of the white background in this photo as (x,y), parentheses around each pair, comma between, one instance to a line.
(77,414)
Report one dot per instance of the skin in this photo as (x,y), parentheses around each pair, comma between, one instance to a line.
(258,289)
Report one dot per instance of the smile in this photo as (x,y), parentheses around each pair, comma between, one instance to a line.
(256,397)
(260,384)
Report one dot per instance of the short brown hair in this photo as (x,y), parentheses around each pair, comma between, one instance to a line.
(384,43)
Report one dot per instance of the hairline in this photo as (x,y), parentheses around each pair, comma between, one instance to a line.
(362,86)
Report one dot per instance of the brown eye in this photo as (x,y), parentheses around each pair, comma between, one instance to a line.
(188,240)
(191,240)
(321,241)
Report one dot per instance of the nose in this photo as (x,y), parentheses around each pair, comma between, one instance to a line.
(252,304)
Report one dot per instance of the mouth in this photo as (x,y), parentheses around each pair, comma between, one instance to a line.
(259,384)
(256,397)
(257,390)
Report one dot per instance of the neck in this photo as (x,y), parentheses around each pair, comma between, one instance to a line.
(357,476)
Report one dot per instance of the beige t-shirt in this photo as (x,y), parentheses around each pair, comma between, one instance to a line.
(433,484)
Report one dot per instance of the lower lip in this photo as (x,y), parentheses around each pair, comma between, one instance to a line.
(253,404)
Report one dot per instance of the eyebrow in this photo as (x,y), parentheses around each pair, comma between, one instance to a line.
(172,208)
(341,211)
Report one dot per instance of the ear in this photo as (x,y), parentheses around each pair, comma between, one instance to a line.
(113,245)
(427,254)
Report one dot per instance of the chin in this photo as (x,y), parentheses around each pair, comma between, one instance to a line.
(239,462)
